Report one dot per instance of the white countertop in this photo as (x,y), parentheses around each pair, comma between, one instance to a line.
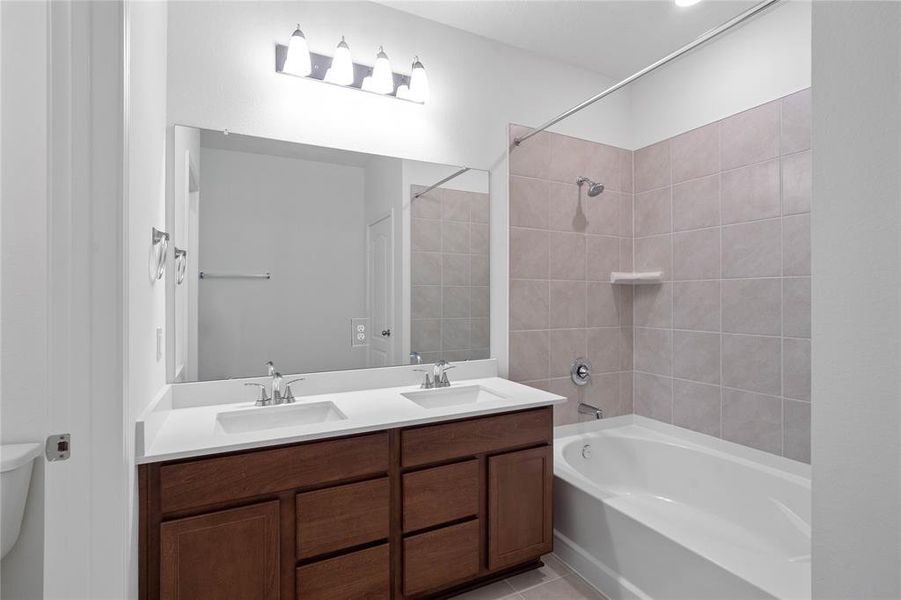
(193,431)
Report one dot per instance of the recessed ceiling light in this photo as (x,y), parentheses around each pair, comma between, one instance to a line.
(684,3)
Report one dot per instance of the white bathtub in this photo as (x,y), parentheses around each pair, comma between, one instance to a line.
(657,511)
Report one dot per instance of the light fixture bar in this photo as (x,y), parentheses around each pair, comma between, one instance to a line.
(321,63)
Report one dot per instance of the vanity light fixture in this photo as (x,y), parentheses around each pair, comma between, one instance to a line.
(297,61)
(342,70)
(419,82)
(382,79)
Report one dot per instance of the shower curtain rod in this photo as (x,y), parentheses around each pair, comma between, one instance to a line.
(757,8)
(440,183)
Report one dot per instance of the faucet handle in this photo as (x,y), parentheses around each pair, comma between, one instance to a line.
(289,395)
(427,383)
(263,399)
(270,368)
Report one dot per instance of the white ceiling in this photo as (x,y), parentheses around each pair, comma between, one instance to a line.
(614,38)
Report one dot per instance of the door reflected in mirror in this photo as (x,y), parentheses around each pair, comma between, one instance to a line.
(320,259)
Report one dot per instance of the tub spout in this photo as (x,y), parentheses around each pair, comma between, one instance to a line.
(588,409)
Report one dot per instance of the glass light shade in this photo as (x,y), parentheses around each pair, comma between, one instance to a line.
(684,3)
(342,69)
(419,82)
(382,81)
(297,62)
(403,92)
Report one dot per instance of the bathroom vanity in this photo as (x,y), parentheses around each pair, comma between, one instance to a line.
(460,496)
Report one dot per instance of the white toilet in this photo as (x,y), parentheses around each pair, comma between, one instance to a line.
(16,464)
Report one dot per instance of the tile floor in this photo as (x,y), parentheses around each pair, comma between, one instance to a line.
(553,581)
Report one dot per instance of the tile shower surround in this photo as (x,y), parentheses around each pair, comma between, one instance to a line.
(563,246)
(449,296)
(723,345)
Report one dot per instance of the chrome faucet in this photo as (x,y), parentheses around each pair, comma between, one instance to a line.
(588,409)
(415,358)
(439,373)
(281,391)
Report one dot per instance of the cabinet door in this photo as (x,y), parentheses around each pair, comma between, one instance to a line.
(520,496)
(230,554)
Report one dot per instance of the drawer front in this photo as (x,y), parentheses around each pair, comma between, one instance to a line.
(441,558)
(342,517)
(436,443)
(441,495)
(360,575)
(208,481)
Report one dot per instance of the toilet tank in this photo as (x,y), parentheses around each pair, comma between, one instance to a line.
(16,464)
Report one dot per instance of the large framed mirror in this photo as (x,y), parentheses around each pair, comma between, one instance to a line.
(319,259)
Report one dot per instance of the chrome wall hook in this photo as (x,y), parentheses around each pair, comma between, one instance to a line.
(159,248)
(181,265)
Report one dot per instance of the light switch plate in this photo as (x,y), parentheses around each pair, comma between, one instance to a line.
(359,331)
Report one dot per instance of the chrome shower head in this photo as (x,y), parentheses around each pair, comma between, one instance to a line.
(594,188)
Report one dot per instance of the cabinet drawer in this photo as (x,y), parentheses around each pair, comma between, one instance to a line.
(441,558)
(446,441)
(207,481)
(363,574)
(441,495)
(342,517)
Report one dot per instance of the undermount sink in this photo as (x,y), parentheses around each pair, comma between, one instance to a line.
(276,417)
(455,396)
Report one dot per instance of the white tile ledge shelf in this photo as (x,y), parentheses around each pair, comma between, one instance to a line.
(636,278)
(168,430)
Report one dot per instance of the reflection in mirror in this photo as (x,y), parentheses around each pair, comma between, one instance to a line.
(320,259)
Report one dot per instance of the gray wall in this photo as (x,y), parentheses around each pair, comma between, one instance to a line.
(856,300)
(302,221)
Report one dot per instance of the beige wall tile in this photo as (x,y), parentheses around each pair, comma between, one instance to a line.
(696,356)
(425,235)
(797,178)
(602,213)
(796,307)
(455,205)
(603,308)
(528,254)
(528,202)
(696,406)
(566,255)
(427,206)
(566,345)
(696,254)
(696,153)
(652,167)
(752,363)
(455,269)
(655,254)
(696,203)
(653,212)
(455,334)
(566,209)
(455,302)
(752,306)
(426,301)
(425,335)
(602,256)
(653,305)
(751,136)
(654,350)
(426,268)
(480,332)
(478,238)
(604,349)
(796,245)
(454,236)
(753,420)
(796,122)
(654,397)
(796,425)
(529,354)
(796,368)
(567,304)
(751,193)
(752,249)
(696,305)
(479,269)
(528,304)
(480,301)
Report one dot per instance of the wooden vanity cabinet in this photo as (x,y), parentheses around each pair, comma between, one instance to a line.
(407,513)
